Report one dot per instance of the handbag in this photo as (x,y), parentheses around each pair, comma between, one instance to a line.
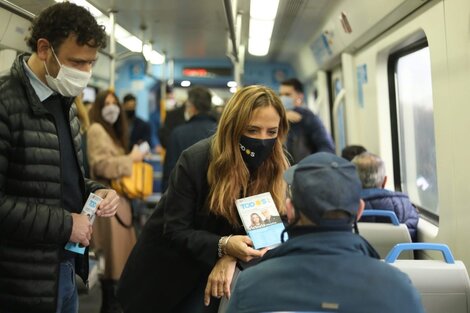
(138,185)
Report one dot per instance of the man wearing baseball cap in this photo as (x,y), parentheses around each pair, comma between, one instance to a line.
(324,266)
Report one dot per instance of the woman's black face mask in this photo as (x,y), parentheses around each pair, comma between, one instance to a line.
(255,151)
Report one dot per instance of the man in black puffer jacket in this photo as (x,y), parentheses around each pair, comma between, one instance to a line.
(42,186)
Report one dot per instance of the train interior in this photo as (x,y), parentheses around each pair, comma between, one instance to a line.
(391,75)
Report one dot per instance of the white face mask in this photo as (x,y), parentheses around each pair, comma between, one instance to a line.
(110,113)
(69,82)
(288,102)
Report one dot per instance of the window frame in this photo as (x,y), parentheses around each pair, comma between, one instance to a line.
(392,64)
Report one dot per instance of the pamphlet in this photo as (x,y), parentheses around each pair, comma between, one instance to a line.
(261,220)
(89,209)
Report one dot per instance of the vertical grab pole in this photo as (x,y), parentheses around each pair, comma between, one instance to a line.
(112,50)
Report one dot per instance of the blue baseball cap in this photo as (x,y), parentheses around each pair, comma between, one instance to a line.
(324,182)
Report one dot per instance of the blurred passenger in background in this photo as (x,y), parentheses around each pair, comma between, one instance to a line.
(138,129)
(349,152)
(108,159)
(82,113)
(200,124)
(325,265)
(189,248)
(371,170)
(42,184)
(307,133)
(174,117)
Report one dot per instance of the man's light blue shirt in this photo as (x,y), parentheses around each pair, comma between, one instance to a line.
(42,90)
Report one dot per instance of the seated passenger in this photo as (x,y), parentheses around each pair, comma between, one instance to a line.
(349,152)
(371,170)
(323,266)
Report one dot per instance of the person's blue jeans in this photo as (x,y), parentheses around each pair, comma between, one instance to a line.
(67,298)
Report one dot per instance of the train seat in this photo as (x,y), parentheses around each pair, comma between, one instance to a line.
(444,285)
(384,236)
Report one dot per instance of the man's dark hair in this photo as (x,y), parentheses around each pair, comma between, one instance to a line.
(128,97)
(295,83)
(201,98)
(58,21)
(349,152)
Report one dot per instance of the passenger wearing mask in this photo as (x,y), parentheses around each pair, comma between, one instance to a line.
(139,130)
(175,116)
(200,124)
(371,170)
(186,255)
(108,159)
(324,266)
(307,133)
(42,184)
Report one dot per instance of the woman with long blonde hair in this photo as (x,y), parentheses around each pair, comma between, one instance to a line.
(186,255)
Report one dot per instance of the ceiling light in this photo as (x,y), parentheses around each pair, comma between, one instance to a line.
(232,83)
(122,36)
(262,16)
(261,29)
(264,10)
(185,83)
(258,47)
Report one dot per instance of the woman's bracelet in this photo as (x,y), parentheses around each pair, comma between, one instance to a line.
(221,246)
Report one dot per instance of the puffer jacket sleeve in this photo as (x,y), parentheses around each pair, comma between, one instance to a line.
(409,214)
(104,159)
(22,220)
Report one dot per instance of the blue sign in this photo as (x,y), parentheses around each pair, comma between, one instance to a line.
(361,73)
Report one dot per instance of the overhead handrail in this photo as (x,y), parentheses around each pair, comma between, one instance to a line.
(16,10)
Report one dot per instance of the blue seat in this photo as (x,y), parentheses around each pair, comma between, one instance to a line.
(384,236)
(443,284)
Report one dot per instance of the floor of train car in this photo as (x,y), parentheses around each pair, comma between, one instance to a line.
(91,301)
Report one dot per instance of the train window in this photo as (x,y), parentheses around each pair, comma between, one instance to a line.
(413,126)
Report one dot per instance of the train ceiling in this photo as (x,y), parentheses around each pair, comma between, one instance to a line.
(198,29)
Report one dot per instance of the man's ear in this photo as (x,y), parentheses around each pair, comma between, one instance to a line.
(360,209)
(43,47)
(300,98)
(290,210)
(384,182)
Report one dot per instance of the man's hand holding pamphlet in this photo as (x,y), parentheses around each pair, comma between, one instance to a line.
(261,220)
